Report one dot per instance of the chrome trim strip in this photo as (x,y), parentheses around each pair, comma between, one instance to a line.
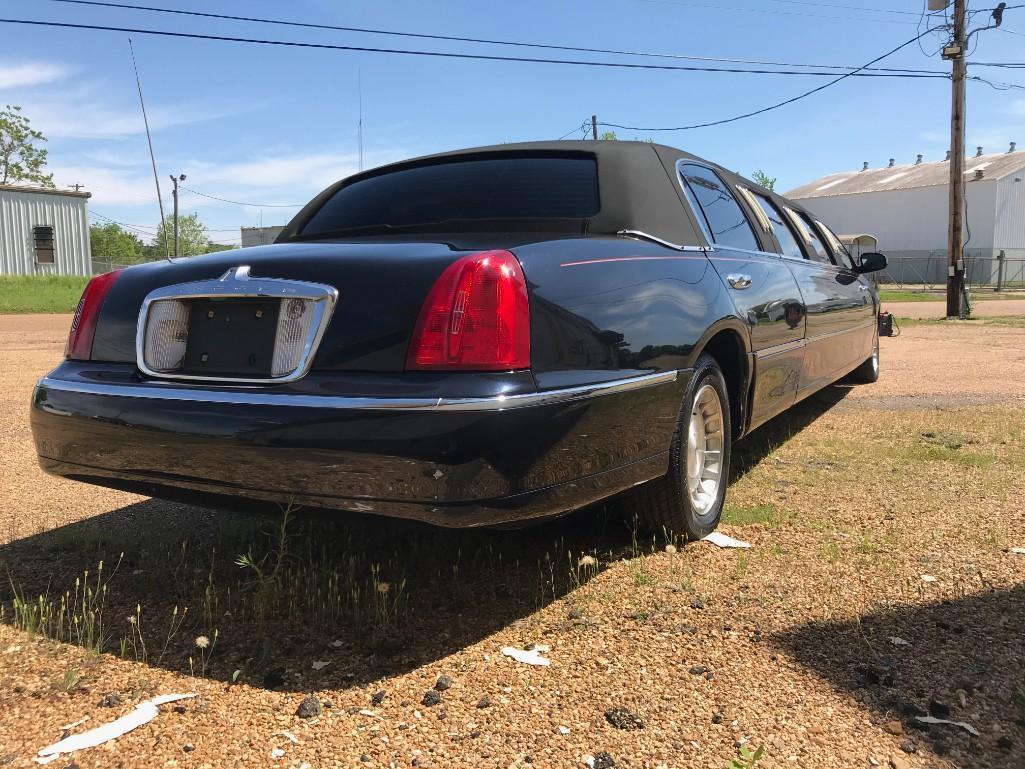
(778,349)
(828,334)
(167,391)
(237,283)
(645,236)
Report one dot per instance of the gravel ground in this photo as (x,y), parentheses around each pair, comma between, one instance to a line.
(980,309)
(881,585)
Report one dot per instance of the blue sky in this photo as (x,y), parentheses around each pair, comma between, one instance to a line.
(275,125)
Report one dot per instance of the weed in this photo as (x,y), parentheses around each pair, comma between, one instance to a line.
(70,680)
(748,758)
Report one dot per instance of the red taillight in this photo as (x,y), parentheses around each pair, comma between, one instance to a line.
(475,318)
(83,327)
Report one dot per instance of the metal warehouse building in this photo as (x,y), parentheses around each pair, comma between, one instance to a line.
(44,231)
(905,207)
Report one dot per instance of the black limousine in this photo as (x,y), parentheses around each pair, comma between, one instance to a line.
(476,338)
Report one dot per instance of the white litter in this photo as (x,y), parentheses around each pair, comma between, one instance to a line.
(368,713)
(289,736)
(588,760)
(1018,550)
(527,657)
(319,665)
(144,712)
(967,727)
(721,540)
(277,753)
(928,578)
(73,724)
(337,644)
(563,730)
(897,641)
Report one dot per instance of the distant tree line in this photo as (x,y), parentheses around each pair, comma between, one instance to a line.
(114,243)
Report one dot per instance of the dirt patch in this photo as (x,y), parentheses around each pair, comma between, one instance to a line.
(851,501)
(980,309)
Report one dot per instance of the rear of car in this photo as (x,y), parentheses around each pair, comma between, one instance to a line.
(385,356)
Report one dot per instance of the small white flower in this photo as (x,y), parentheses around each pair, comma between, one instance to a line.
(588,560)
(383,588)
(202,641)
(670,549)
(131,620)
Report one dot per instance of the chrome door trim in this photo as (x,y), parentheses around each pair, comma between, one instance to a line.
(738,281)
(252,397)
(654,239)
(238,283)
(779,349)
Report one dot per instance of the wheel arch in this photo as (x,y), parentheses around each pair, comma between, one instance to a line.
(728,342)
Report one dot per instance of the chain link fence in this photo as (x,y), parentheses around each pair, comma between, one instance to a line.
(997,272)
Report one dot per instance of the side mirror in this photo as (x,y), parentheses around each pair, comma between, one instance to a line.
(872,261)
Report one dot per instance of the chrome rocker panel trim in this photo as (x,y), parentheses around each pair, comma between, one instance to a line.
(167,391)
(237,283)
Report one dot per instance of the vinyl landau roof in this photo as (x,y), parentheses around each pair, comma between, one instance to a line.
(637,185)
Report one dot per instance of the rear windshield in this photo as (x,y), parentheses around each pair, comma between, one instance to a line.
(486,189)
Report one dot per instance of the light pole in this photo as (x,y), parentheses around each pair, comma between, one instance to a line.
(174,192)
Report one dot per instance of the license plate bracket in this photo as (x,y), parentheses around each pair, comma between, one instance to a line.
(231,337)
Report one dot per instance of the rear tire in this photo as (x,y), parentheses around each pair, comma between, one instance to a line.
(868,372)
(688,500)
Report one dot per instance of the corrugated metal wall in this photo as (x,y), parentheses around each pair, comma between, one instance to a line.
(67,214)
(912,219)
(1010,213)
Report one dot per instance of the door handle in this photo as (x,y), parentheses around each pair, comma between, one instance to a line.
(863,287)
(738,280)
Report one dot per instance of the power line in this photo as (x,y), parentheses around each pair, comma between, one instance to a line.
(772,106)
(846,7)
(240,203)
(858,72)
(772,11)
(452,38)
(151,229)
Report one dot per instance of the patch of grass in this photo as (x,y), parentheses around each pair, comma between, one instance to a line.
(746,515)
(906,295)
(1006,321)
(940,453)
(40,293)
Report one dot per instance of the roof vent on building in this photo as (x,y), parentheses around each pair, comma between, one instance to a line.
(918,161)
(1014,145)
(978,152)
(891,163)
(948,156)
(979,173)
(864,165)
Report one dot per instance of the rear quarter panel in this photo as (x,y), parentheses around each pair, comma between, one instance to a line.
(603,308)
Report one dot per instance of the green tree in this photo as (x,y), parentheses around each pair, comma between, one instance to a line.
(608,136)
(20,159)
(109,241)
(192,239)
(769,182)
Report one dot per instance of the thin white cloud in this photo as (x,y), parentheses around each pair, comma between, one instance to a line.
(30,73)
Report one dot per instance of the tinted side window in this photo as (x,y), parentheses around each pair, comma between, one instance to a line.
(726,220)
(817,250)
(840,253)
(785,235)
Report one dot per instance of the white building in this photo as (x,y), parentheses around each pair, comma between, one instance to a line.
(905,208)
(259,236)
(44,232)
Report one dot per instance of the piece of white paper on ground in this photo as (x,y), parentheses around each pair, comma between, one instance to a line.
(531,657)
(1018,550)
(898,641)
(144,712)
(931,720)
(721,540)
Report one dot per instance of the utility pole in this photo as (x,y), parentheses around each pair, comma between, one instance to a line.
(174,192)
(594,127)
(76,187)
(956,53)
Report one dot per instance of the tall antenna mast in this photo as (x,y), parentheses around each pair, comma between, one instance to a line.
(359,132)
(152,157)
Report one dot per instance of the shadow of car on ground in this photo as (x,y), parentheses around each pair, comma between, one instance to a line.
(272,593)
